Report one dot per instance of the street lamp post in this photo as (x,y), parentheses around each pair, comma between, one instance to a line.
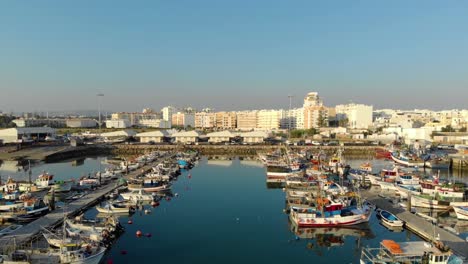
(99,110)
(289,116)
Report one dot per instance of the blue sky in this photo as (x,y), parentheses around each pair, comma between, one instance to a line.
(57,55)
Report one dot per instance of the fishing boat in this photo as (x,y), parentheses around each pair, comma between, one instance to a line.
(405,190)
(88,183)
(408,179)
(61,186)
(389,219)
(461,212)
(407,160)
(33,210)
(44,180)
(427,201)
(9,229)
(330,214)
(406,252)
(279,173)
(115,208)
(137,195)
(110,224)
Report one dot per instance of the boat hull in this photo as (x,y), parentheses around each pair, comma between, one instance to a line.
(461,212)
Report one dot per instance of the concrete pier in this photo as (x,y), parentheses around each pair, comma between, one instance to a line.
(55,218)
(419,225)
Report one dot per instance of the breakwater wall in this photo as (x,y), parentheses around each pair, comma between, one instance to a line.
(123,149)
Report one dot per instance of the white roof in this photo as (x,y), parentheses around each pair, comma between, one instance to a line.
(121,133)
(192,133)
(225,133)
(28,130)
(255,134)
(155,133)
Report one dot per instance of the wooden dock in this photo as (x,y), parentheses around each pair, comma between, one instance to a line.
(55,218)
(420,226)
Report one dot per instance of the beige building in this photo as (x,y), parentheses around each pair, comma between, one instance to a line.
(269,119)
(157,136)
(226,120)
(81,122)
(205,120)
(247,120)
(220,136)
(186,137)
(137,119)
(315,114)
(182,119)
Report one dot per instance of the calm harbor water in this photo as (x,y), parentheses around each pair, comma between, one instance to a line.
(225,212)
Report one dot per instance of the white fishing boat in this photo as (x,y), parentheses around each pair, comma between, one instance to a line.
(329,215)
(461,212)
(405,190)
(405,252)
(86,225)
(426,201)
(44,180)
(115,208)
(137,195)
(408,179)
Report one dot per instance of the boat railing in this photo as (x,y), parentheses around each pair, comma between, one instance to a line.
(380,255)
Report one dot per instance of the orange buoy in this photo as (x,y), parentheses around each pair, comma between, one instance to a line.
(138,233)
(130,221)
(110,261)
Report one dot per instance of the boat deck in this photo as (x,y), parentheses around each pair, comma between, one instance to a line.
(419,225)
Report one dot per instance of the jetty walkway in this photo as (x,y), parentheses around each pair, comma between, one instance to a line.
(55,218)
(419,225)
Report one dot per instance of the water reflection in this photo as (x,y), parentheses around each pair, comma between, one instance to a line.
(318,239)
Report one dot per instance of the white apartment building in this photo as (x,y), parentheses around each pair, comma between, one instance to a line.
(269,119)
(358,115)
(155,123)
(293,119)
(167,113)
(117,123)
(138,119)
(205,120)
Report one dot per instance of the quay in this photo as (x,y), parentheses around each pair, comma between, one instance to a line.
(419,225)
(55,218)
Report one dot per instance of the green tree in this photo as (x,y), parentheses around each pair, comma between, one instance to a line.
(463,129)
(448,128)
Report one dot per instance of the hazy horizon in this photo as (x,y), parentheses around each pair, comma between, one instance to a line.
(237,55)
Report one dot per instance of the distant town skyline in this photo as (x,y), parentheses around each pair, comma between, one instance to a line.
(237,55)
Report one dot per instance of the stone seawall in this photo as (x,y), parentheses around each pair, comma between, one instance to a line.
(123,149)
